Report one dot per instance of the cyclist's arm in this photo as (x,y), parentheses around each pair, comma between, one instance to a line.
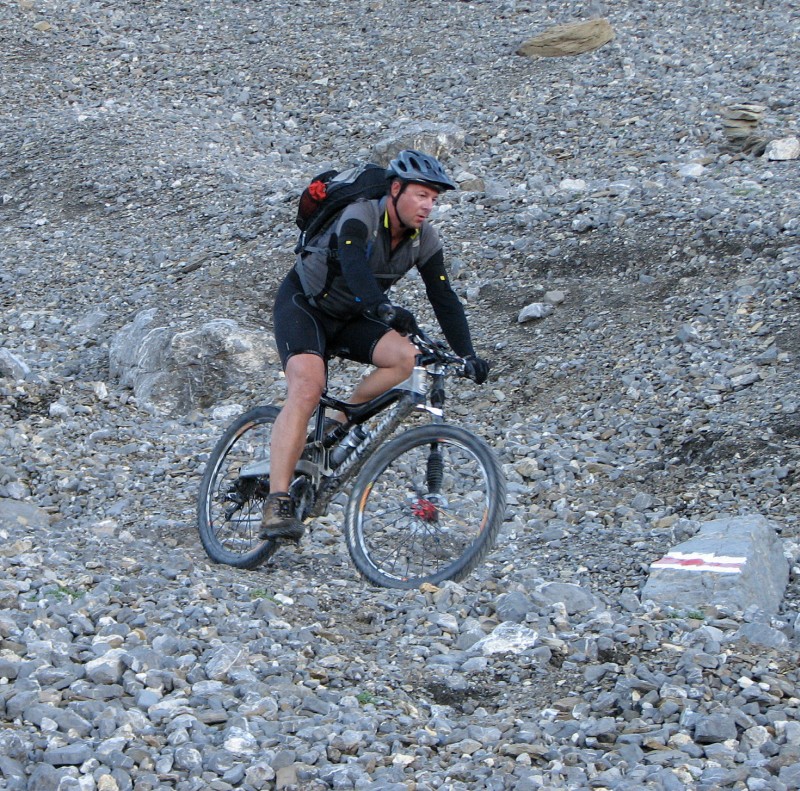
(353,258)
(446,305)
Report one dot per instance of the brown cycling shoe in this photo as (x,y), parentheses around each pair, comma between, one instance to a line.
(278,520)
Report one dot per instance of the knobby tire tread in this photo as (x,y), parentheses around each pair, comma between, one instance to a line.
(376,465)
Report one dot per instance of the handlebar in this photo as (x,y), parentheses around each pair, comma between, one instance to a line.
(431,351)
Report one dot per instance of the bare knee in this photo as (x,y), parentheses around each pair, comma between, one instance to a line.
(405,364)
(305,381)
(395,352)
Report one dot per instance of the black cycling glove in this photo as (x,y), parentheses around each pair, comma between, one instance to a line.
(397,318)
(476,369)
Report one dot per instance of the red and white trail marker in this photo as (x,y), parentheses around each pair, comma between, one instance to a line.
(701,561)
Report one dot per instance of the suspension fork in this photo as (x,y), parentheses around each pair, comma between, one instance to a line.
(434,468)
(436,396)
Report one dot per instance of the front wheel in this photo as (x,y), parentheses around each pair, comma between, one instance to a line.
(426,507)
(232,493)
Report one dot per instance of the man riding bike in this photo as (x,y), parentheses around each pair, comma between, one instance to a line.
(335,298)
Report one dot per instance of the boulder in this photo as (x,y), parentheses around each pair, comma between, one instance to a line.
(438,140)
(736,562)
(783,150)
(13,367)
(740,121)
(15,513)
(507,638)
(569,39)
(536,310)
(176,370)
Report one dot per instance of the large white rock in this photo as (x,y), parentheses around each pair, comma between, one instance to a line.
(177,370)
(736,562)
(784,149)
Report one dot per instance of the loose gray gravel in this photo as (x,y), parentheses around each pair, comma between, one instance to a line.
(151,155)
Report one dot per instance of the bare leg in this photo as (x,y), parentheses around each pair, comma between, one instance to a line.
(305,381)
(393,359)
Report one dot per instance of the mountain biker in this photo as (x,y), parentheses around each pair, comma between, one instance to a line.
(335,298)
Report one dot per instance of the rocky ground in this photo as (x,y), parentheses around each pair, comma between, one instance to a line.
(151,155)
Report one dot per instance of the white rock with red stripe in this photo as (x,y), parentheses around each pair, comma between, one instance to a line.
(735,562)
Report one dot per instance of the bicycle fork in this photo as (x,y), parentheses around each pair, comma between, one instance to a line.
(426,507)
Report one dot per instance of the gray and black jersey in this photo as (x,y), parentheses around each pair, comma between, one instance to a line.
(351,266)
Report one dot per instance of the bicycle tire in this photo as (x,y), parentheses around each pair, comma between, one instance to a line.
(229,506)
(400,534)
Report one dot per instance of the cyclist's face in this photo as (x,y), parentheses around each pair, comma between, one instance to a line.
(415,203)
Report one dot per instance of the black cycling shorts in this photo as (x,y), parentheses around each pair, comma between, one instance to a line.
(301,328)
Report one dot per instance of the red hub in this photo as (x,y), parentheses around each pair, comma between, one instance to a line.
(425,510)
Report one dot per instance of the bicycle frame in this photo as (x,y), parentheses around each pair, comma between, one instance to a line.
(423,390)
(400,401)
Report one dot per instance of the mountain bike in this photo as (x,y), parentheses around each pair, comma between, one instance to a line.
(426,503)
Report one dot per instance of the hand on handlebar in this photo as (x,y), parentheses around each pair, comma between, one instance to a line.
(476,369)
(397,318)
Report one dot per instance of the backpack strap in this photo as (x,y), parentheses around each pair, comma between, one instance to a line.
(301,273)
(331,255)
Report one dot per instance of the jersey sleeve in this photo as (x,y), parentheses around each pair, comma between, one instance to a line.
(430,243)
(352,245)
(446,304)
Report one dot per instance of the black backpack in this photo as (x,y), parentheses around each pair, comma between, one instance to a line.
(330,192)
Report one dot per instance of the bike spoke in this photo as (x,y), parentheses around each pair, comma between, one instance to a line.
(424,513)
(233,491)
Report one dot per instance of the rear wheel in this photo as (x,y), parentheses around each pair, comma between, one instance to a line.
(232,493)
(426,507)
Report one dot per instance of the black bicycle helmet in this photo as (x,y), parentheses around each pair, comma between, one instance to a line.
(410,165)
